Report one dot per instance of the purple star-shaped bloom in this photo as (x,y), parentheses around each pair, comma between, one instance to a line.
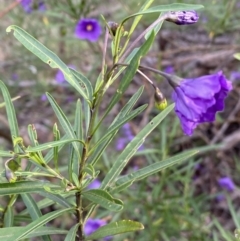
(89,29)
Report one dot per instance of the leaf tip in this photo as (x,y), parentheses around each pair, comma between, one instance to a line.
(11,27)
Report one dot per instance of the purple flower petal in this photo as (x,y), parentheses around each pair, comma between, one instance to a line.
(183,17)
(92,225)
(226,183)
(43,97)
(88,29)
(29,5)
(169,69)
(94,185)
(60,77)
(198,100)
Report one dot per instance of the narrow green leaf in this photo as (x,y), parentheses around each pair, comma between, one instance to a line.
(6,153)
(47,56)
(121,122)
(25,231)
(51,144)
(132,147)
(31,205)
(8,217)
(57,137)
(84,83)
(130,73)
(125,110)
(50,200)
(7,234)
(167,8)
(156,29)
(135,23)
(25,187)
(46,231)
(71,236)
(33,210)
(127,180)
(73,164)
(114,228)
(11,115)
(87,116)
(64,122)
(103,198)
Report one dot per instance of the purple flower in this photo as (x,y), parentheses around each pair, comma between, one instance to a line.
(198,100)
(15,76)
(43,97)
(183,17)
(59,77)
(94,185)
(169,69)
(226,183)
(92,225)
(121,143)
(29,5)
(235,76)
(89,29)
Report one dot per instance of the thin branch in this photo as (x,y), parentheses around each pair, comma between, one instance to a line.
(9,8)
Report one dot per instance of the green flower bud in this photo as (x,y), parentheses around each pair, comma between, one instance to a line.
(160,100)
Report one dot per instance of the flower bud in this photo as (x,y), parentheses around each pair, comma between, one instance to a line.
(114,26)
(9,174)
(160,100)
(183,17)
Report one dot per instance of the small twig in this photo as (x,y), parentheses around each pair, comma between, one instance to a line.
(9,8)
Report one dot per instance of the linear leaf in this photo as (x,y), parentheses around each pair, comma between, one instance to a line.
(132,147)
(6,153)
(33,210)
(103,198)
(120,122)
(50,200)
(46,56)
(130,72)
(25,231)
(71,236)
(84,82)
(114,228)
(7,234)
(25,187)
(135,23)
(8,217)
(11,115)
(51,144)
(64,122)
(125,110)
(167,8)
(127,180)
(73,164)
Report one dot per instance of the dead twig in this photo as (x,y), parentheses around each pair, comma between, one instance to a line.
(9,8)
